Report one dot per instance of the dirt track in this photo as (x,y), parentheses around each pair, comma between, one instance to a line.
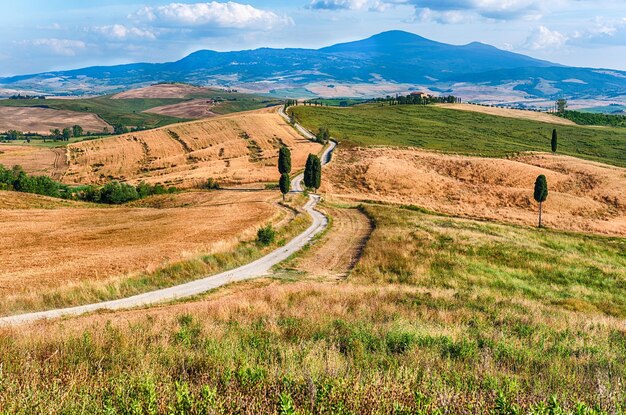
(35,160)
(338,251)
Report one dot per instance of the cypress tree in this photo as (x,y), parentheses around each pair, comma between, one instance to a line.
(284,160)
(317,173)
(284,184)
(308,171)
(554,140)
(541,193)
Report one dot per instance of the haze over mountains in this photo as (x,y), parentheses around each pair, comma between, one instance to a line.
(389,62)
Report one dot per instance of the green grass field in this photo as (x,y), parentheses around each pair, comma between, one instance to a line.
(461,132)
(440,316)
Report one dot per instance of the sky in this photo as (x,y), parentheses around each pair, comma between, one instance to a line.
(44,35)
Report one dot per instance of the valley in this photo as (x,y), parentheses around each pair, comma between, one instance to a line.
(413,280)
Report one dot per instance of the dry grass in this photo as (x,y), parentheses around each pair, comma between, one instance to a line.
(35,160)
(42,120)
(193,109)
(584,196)
(233,149)
(510,113)
(161,91)
(59,245)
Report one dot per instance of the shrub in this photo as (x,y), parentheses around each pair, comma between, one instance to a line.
(211,184)
(266,235)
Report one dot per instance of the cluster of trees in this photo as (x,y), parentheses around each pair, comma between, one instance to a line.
(115,193)
(291,103)
(312,171)
(16,179)
(588,118)
(67,133)
(418,99)
(323,135)
(20,96)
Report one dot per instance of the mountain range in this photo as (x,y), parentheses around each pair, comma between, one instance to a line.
(393,61)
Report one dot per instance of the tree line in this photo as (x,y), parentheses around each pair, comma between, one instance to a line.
(589,118)
(113,193)
(418,99)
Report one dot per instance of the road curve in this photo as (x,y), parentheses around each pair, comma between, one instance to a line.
(260,267)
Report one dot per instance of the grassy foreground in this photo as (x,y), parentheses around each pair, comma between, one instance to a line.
(441,315)
(461,132)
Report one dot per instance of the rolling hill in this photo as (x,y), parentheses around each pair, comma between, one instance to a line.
(398,60)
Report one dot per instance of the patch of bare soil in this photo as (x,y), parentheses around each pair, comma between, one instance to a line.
(161,91)
(510,113)
(338,251)
(193,109)
(583,195)
(42,120)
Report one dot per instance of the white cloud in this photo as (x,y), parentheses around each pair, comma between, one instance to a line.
(342,4)
(122,32)
(460,11)
(544,38)
(221,15)
(63,47)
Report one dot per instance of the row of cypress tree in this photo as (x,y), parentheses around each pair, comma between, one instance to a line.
(312,171)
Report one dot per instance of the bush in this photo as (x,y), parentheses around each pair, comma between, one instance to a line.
(211,184)
(266,235)
(116,193)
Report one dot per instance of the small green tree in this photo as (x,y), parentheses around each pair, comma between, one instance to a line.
(554,141)
(284,160)
(541,193)
(317,173)
(266,235)
(77,131)
(323,135)
(284,184)
(56,134)
(67,134)
(313,172)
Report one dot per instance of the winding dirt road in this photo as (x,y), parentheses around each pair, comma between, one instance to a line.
(258,268)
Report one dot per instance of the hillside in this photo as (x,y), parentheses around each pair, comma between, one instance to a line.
(65,252)
(232,149)
(464,132)
(393,61)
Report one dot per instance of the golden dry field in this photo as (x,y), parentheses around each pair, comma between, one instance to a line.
(510,113)
(584,195)
(193,109)
(234,149)
(58,244)
(35,160)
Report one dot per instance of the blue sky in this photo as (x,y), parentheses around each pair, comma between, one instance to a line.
(46,35)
